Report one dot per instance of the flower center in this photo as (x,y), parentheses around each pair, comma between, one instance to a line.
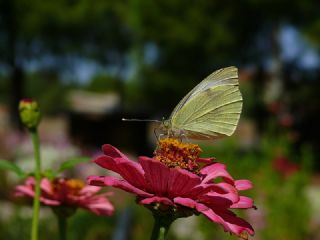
(67,186)
(174,153)
(75,184)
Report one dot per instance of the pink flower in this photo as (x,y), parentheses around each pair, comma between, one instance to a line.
(71,193)
(284,166)
(184,186)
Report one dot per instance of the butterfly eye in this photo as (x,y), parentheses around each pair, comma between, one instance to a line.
(166,123)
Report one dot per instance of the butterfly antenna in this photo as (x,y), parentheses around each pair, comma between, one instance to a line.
(140,120)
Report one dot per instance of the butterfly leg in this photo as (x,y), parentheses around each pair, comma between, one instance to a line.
(182,136)
(156,134)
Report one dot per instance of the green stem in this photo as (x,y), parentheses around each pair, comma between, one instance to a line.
(62,221)
(160,228)
(36,200)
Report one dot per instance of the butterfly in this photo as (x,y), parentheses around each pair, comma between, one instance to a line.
(210,110)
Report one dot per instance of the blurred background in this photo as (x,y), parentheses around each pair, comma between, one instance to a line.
(90,63)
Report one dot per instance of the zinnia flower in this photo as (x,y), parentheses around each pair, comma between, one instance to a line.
(174,181)
(68,193)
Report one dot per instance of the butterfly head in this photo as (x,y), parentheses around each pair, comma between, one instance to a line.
(166,128)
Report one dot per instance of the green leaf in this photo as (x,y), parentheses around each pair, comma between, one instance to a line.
(50,174)
(73,162)
(10,166)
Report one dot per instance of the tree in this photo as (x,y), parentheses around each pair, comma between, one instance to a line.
(193,38)
(61,30)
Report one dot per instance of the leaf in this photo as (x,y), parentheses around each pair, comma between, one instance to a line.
(50,174)
(10,166)
(73,162)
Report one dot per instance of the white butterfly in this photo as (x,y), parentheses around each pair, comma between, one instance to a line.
(210,110)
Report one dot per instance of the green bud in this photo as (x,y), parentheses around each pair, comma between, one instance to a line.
(29,113)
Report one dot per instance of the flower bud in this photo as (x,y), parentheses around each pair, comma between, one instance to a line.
(29,113)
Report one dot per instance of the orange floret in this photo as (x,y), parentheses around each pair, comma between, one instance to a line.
(174,153)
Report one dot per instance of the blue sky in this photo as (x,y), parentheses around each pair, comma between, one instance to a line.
(295,47)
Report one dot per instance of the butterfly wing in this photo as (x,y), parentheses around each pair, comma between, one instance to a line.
(212,109)
(223,76)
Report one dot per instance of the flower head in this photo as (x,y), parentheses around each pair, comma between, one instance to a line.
(29,113)
(174,153)
(69,194)
(173,182)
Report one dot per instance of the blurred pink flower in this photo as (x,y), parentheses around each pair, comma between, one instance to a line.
(286,120)
(284,166)
(275,107)
(209,190)
(71,193)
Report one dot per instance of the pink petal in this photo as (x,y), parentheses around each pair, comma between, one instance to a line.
(22,190)
(206,160)
(89,190)
(50,202)
(30,181)
(227,219)
(236,224)
(28,191)
(214,171)
(215,201)
(244,202)
(205,188)
(243,184)
(181,183)
(156,199)
(113,152)
(197,191)
(129,170)
(118,183)
(47,191)
(187,202)
(231,192)
(46,185)
(99,205)
(156,175)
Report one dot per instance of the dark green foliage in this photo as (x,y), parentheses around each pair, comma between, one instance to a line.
(10,166)
(104,83)
(73,162)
